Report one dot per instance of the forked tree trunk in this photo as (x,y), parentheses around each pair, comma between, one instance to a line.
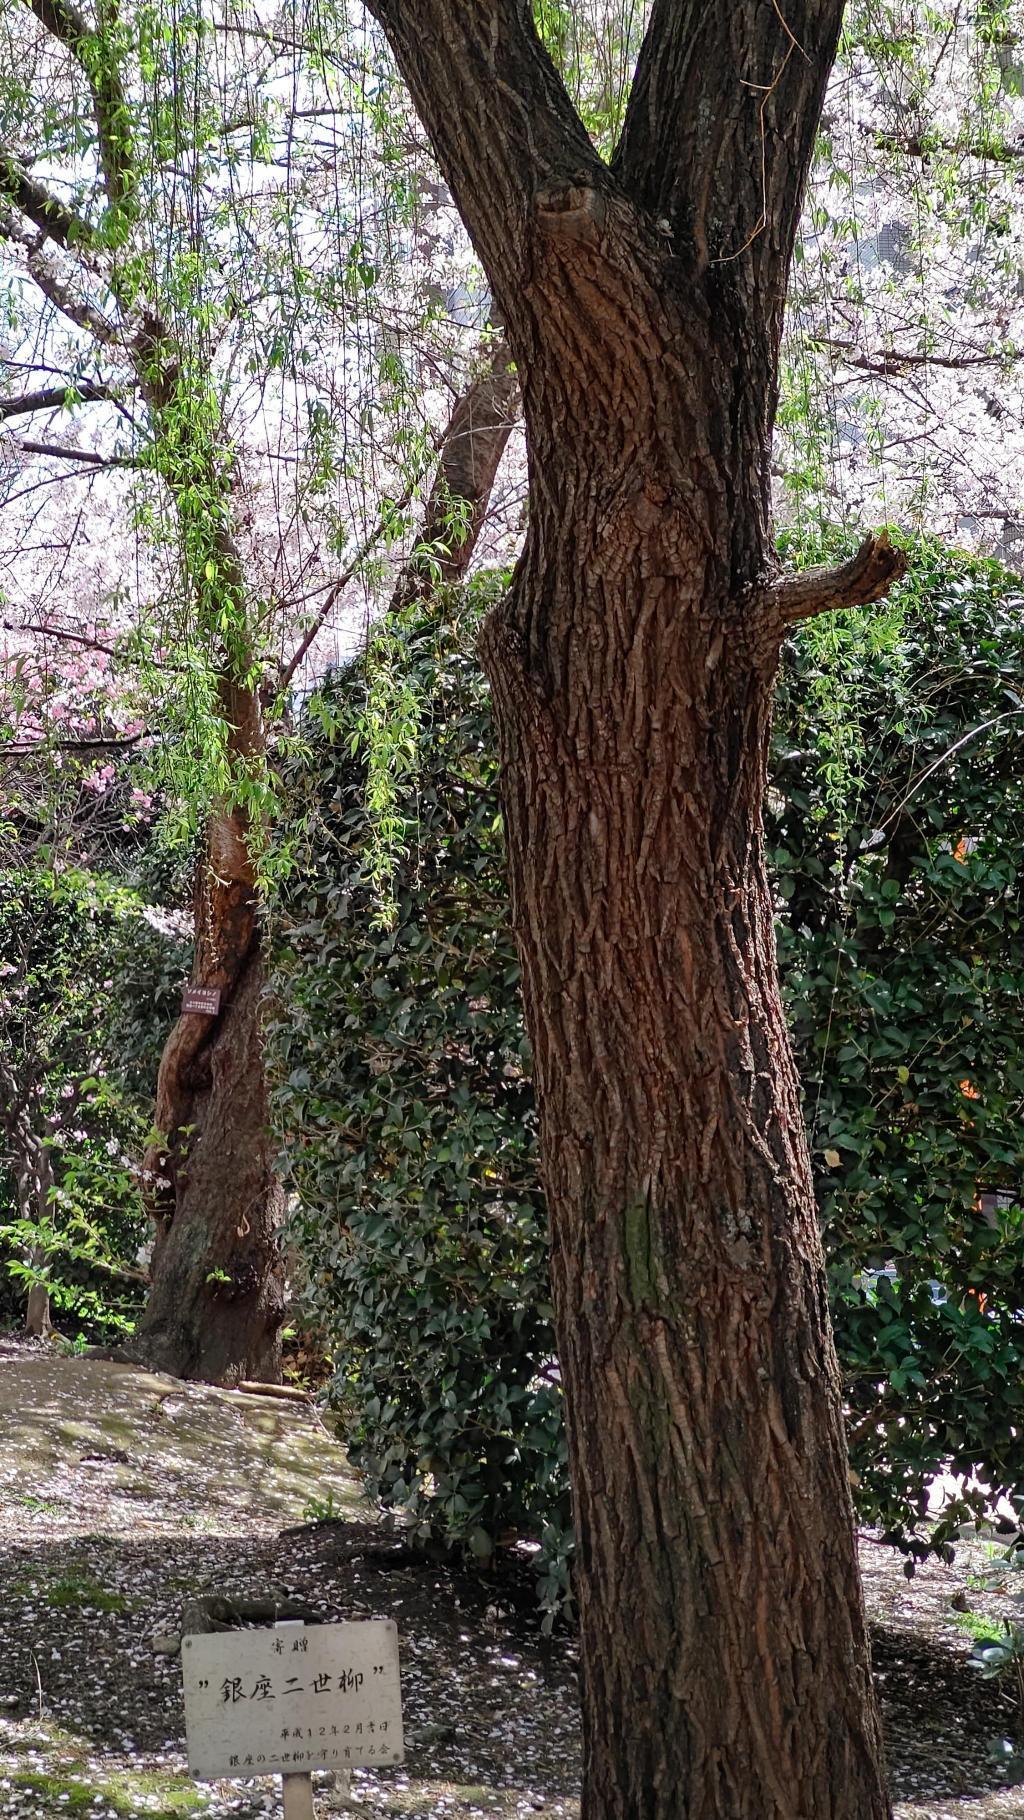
(217,1300)
(725,1662)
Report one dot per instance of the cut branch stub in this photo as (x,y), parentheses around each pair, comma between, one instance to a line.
(866,577)
(577,213)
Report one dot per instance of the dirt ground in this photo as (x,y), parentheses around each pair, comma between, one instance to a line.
(123,1494)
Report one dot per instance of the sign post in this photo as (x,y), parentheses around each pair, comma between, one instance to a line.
(297,1791)
(298,1797)
(291,1699)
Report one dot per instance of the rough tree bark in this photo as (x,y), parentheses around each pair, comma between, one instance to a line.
(726,1672)
(217,1299)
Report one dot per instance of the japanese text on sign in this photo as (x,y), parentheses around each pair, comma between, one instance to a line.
(282,1702)
(201,1000)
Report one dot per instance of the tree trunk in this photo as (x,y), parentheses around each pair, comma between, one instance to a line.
(725,1665)
(726,1672)
(33,1184)
(471,450)
(217,1300)
(37,1304)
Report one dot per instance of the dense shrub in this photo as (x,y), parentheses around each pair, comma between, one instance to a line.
(900,940)
(895,820)
(85,988)
(408,1123)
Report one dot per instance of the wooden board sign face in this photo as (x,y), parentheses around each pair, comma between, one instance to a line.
(202,999)
(289,1700)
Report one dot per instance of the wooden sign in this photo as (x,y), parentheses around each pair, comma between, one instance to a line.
(204,1000)
(293,1699)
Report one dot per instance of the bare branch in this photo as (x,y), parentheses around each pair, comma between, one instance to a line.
(58,632)
(57,451)
(47,212)
(56,398)
(866,577)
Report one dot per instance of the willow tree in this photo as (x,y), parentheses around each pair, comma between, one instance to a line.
(165,298)
(726,1669)
(217,1302)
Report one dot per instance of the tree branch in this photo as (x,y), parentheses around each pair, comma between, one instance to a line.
(69,299)
(29,748)
(866,577)
(32,199)
(990,151)
(890,362)
(499,119)
(721,121)
(55,398)
(93,52)
(471,449)
(57,452)
(58,632)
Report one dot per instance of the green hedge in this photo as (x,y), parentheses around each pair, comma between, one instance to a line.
(87,990)
(900,943)
(408,1125)
(407,1122)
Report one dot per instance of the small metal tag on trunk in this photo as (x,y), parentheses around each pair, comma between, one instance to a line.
(203,1001)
